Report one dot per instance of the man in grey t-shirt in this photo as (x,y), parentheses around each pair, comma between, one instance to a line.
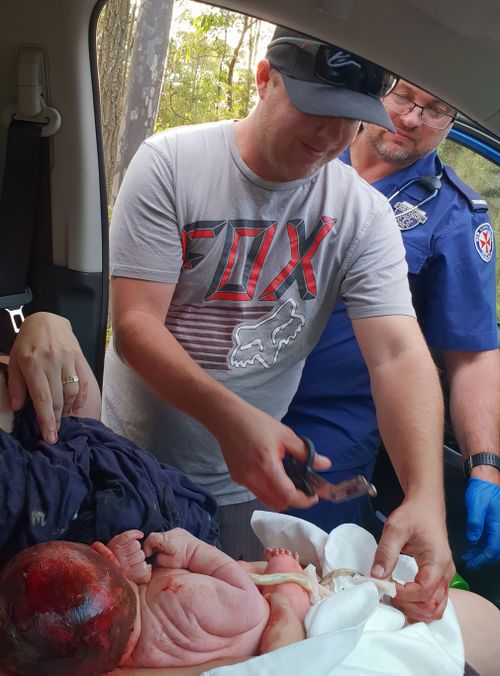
(230,244)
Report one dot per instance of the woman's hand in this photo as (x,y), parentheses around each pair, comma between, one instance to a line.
(46,361)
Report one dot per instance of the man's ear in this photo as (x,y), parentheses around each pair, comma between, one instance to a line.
(262,76)
(101,548)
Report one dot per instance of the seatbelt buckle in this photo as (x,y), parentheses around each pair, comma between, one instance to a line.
(14,305)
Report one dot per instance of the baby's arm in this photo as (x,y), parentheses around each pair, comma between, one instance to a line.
(130,556)
(212,589)
(179,549)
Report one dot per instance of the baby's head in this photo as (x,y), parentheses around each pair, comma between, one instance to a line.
(64,609)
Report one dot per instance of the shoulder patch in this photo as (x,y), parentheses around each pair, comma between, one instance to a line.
(484,241)
(477,202)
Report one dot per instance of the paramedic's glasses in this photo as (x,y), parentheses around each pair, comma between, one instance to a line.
(431,117)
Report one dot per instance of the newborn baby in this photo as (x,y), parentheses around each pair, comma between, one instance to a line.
(85,610)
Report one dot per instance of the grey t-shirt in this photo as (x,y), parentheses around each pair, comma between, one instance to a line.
(258,267)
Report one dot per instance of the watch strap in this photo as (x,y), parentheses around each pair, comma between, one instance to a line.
(481,459)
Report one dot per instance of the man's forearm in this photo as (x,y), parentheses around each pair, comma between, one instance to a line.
(409,407)
(474,379)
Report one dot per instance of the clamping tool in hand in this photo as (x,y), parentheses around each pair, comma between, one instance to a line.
(311,483)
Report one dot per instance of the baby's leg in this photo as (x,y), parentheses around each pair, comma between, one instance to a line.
(127,549)
(283,627)
(283,561)
(257,567)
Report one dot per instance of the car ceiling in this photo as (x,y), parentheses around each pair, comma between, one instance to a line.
(449,47)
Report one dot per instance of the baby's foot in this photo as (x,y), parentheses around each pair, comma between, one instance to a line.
(283,627)
(127,549)
(282,561)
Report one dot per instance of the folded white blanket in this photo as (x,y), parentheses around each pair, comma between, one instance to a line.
(352,632)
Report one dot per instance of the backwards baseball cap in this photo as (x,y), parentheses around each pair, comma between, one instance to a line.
(322,79)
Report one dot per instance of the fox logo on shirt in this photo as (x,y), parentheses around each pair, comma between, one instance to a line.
(263,341)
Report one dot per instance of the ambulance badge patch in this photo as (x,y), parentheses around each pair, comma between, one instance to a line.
(484,241)
(408,216)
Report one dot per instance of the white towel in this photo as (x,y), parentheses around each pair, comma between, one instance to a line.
(352,632)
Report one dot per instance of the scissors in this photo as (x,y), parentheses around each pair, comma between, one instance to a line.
(311,483)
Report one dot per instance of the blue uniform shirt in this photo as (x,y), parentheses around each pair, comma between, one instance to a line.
(450,253)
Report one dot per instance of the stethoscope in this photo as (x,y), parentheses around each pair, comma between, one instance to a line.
(430,183)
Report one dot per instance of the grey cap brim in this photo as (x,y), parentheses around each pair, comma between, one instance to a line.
(315,98)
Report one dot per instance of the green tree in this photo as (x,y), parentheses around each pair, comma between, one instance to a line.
(209,73)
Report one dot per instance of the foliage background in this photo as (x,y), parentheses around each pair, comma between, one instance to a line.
(209,73)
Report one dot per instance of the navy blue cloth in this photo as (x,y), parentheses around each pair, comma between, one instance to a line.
(449,250)
(91,485)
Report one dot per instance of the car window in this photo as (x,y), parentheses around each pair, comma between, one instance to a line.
(195,63)
(482,175)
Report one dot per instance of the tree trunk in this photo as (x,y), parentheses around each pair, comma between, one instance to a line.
(232,64)
(144,82)
(113,45)
(253,42)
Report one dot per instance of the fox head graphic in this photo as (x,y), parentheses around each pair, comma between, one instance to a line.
(262,342)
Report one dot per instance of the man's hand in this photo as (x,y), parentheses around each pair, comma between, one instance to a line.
(482,501)
(254,445)
(416,528)
(46,351)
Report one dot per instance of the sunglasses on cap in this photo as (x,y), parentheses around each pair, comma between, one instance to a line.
(335,67)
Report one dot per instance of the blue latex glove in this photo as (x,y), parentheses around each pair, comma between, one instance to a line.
(482,501)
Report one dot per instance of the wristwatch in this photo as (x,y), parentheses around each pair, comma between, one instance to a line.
(481,459)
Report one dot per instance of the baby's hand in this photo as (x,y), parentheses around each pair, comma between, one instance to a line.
(127,549)
(173,548)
